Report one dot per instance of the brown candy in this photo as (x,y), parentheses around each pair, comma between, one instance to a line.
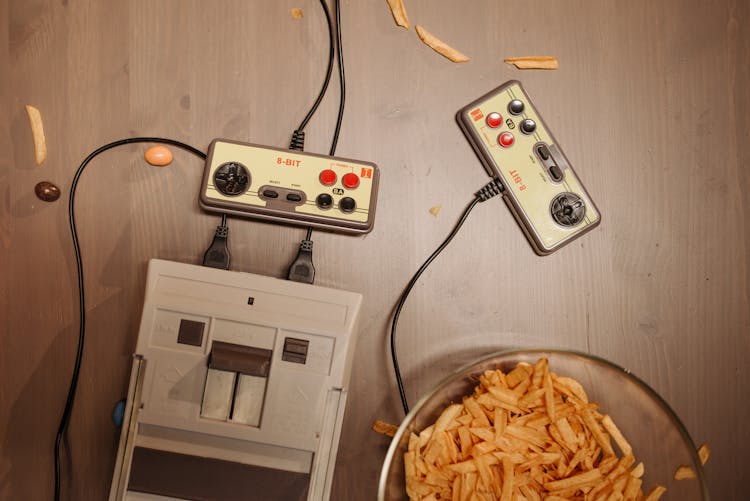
(158,155)
(47,191)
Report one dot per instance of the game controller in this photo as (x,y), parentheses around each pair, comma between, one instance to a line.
(515,146)
(290,186)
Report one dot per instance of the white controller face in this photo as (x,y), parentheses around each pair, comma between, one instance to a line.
(541,189)
(290,186)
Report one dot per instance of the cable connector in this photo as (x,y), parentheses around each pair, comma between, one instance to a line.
(298,140)
(217,254)
(489,190)
(302,269)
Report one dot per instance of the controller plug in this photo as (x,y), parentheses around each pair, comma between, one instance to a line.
(302,269)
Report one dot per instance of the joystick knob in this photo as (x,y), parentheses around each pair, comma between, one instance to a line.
(528,126)
(232,179)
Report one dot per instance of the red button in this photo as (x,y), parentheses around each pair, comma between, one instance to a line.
(506,139)
(494,119)
(350,180)
(327,177)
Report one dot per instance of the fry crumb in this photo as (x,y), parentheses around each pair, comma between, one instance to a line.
(703,453)
(435,210)
(297,13)
(683,472)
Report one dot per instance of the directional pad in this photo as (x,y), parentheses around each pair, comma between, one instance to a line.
(232,178)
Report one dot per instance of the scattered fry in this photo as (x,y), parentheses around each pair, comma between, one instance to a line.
(37,131)
(384,428)
(435,210)
(399,13)
(440,47)
(683,472)
(533,62)
(528,434)
(703,453)
(297,13)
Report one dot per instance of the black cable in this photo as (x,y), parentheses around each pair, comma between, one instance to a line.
(488,191)
(65,419)
(342,80)
(329,70)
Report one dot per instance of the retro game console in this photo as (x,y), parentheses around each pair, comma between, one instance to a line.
(238,388)
(290,186)
(542,190)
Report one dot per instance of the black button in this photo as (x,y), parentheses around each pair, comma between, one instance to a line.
(528,126)
(324,201)
(555,173)
(270,194)
(295,350)
(347,204)
(543,151)
(516,107)
(190,332)
(293,197)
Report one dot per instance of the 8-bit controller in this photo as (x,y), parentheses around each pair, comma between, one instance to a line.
(290,186)
(515,146)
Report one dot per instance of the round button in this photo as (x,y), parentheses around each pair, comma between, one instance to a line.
(516,107)
(350,180)
(324,201)
(232,178)
(494,120)
(528,126)
(347,204)
(506,139)
(327,177)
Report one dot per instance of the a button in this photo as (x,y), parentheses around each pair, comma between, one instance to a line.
(543,151)
(347,204)
(516,107)
(350,180)
(494,120)
(327,177)
(270,194)
(528,126)
(506,139)
(293,197)
(324,201)
(555,173)
(295,350)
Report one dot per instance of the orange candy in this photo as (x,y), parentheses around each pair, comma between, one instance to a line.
(158,155)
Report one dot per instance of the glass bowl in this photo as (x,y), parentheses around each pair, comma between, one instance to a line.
(655,432)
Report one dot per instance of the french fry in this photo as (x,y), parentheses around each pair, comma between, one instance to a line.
(439,46)
(616,435)
(533,62)
(655,493)
(399,13)
(703,453)
(384,428)
(37,131)
(684,472)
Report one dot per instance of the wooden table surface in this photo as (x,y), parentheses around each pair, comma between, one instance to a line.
(651,104)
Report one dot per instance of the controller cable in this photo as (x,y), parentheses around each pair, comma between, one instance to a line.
(302,268)
(65,418)
(488,191)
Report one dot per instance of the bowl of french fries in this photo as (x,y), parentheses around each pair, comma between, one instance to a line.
(539,424)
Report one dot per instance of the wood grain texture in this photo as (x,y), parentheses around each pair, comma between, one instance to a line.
(651,104)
